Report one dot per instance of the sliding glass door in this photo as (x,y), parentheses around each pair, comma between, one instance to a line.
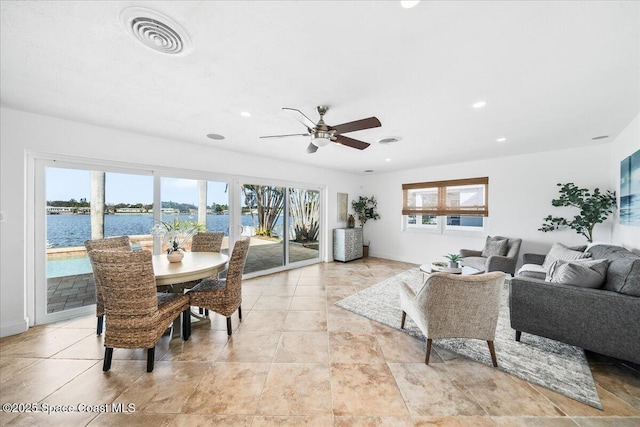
(78,201)
(84,204)
(262,221)
(304,225)
(196,201)
(283,224)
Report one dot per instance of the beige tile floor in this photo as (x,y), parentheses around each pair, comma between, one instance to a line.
(295,359)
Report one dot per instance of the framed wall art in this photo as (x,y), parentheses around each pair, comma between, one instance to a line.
(343,199)
(630,190)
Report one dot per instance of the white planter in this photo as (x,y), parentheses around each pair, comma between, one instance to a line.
(175,256)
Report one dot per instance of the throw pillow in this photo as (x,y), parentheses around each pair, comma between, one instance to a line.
(585,273)
(495,246)
(560,251)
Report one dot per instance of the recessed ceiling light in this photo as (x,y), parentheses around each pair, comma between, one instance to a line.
(369,170)
(387,160)
(595,138)
(479,104)
(215,136)
(408,4)
(501,139)
(389,140)
(245,114)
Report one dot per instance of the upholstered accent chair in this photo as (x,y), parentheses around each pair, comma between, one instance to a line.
(121,243)
(224,296)
(455,306)
(136,315)
(499,254)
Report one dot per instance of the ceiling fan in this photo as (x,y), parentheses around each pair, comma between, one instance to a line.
(322,134)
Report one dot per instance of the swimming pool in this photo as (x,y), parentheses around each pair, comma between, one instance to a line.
(68,266)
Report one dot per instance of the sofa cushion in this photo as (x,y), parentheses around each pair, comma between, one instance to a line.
(585,273)
(562,252)
(535,271)
(623,274)
(495,246)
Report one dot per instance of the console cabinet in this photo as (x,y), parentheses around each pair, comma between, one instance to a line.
(347,244)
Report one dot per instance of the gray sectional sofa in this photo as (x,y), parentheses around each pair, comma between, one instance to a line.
(605,320)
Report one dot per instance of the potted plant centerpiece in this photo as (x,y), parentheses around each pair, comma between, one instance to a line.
(176,234)
(364,209)
(454,260)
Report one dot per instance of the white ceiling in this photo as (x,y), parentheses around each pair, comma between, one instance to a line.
(553,74)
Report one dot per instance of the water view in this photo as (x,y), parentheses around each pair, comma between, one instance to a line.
(73,230)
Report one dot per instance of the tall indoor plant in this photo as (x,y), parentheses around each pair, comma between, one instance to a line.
(364,208)
(594,207)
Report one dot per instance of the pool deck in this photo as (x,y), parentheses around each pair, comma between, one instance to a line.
(64,293)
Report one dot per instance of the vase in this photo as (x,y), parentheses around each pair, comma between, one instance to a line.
(175,256)
(454,264)
(351,223)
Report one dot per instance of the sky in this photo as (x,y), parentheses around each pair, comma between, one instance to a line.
(66,184)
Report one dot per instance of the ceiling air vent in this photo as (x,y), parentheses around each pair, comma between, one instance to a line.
(155,30)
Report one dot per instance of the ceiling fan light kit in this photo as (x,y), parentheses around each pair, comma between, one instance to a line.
(321,139)
(322,134)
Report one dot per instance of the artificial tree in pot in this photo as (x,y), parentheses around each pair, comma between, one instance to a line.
(594,207)
(364,209)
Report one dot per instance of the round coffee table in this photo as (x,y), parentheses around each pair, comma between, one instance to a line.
(465,270)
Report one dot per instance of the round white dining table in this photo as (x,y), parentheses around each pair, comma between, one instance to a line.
(194,266)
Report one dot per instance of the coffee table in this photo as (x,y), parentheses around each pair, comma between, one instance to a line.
(465,270)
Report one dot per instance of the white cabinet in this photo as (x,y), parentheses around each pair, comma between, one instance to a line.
(347,244)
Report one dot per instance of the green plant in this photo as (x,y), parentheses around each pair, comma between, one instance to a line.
(594,208)
(453,257)
(364,208)
(176,233)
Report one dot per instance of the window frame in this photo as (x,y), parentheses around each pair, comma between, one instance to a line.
(441,211)
(441,208)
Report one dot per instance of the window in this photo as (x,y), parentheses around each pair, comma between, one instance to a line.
(458,204)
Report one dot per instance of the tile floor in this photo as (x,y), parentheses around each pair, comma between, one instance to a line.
(296,359)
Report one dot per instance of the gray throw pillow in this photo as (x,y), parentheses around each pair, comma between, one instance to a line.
(560,251)
(585,273)
(495,246)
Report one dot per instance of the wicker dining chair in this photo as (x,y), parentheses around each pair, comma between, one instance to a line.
(224,296)
(121,243)
(207,242)
(204,242)
(136,315)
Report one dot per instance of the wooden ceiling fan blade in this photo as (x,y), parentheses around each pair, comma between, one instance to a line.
(312,149)
(350,142)
(368,123)
(284,136)
(299,116)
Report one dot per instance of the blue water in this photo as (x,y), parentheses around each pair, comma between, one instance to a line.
(630,209)
(73,230)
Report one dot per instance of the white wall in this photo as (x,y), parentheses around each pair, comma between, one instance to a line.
(627,143)
(520,192)
(22,132)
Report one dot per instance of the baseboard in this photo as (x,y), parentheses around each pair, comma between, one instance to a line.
(14,328)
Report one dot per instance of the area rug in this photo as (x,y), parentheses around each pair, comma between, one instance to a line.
(559,367)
